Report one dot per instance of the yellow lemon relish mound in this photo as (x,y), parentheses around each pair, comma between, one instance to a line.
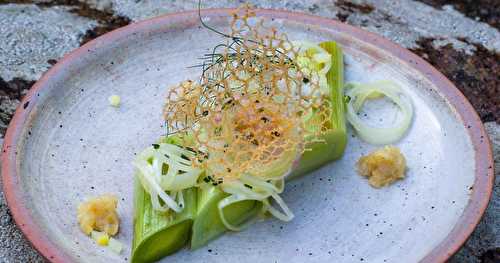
(99,214)
(383,166)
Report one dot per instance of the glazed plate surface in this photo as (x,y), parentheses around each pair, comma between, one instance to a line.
(67,143)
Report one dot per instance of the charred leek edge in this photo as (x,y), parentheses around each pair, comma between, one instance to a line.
(329,146)
(359,93)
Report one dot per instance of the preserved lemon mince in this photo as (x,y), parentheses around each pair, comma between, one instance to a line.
(382,167)
(99,214)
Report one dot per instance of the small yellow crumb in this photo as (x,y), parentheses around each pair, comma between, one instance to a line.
(383,166)
(99,214)
(114,100)
(103,240)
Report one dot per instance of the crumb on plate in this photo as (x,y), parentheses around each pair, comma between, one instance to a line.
(383,166)
(103,239)
(114,100)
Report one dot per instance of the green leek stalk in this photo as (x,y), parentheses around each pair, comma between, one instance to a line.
(335,139)
(157,235)
(209,225)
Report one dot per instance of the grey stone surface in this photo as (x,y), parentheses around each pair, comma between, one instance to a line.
(139,10)
(457,44)
(103,5)
(30,35)
(7,108)
(402,21)
(406,21)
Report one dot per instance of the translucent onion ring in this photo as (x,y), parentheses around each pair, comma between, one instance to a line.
(358,93)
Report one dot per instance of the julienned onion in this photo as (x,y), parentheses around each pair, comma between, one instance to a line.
(258,189)
(164,171)
(359,93)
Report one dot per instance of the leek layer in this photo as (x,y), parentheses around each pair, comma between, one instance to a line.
(158,234)
(331,145)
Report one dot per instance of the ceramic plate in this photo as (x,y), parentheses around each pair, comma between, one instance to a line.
(66,143)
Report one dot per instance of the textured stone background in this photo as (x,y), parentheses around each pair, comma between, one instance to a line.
(461,38)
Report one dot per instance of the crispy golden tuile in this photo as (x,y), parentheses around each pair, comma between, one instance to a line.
(247,110)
